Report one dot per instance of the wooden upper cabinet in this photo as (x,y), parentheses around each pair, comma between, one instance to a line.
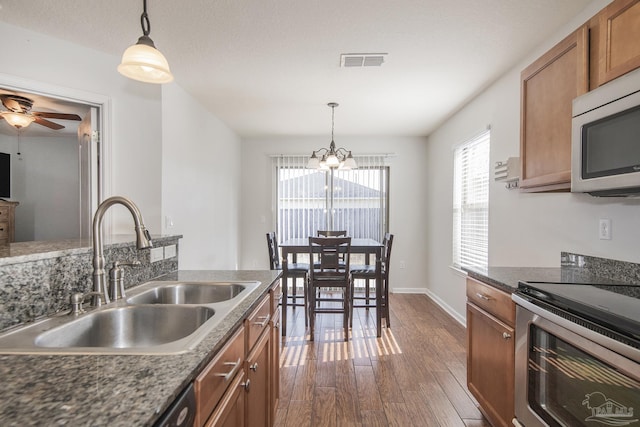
(615,41)
(548,87)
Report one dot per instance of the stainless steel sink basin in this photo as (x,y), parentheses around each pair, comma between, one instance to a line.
(159,317)
(127,327)
(189,293)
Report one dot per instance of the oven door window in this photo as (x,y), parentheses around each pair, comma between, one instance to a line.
(571,387)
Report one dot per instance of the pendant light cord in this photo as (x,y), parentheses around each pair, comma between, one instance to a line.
(144,20)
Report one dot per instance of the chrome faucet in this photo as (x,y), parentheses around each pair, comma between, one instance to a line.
(143,241)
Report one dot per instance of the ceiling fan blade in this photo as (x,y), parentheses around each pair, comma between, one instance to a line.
(61,116)
(47,123)
(12,104)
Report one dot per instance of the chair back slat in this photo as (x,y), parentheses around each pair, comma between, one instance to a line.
(332,233)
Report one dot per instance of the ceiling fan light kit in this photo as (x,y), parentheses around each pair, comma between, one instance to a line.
(142,61)
(18,120)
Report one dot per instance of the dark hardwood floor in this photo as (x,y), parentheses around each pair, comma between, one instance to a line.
(414,375)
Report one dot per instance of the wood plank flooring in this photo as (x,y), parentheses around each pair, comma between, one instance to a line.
(414,375)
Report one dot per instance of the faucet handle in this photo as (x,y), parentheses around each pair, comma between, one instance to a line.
(116,279)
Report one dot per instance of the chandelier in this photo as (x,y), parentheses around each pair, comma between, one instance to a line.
(332,157)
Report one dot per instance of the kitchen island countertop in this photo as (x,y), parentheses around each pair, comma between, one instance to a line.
(115,390)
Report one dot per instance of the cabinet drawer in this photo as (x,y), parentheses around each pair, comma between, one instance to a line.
(257,322)
(276,296)
(493,300)
(4,230)
(4,214)
(211,384)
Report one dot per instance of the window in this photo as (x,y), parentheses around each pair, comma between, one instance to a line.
(471,202)
(306,200)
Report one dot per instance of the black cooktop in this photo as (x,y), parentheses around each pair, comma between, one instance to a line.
(615,306)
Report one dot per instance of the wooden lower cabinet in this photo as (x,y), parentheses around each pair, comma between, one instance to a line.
(491,355)
(240,386)
(231,409)
(258,396)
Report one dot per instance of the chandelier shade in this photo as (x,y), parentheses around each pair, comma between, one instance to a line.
(332,157)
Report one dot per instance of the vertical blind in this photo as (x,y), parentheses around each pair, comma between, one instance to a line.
(471,202)
(304,197)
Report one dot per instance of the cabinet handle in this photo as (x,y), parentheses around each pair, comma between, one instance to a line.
(482,296)
(246,384)
(506,335)
(264,322)
(228,375)
(254,367)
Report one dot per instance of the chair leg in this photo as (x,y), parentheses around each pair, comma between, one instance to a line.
(386,303)
(306,302)
(312,311)
(285,298)
(366,293)
(352,287)
(346,309)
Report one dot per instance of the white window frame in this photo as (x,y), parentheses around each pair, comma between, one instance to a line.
(471,202)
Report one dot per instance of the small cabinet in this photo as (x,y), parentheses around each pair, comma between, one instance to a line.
(258,396)
(615,46)
(7,222)
(490,351)
(548,87)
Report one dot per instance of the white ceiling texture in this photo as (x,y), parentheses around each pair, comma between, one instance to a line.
(269,67)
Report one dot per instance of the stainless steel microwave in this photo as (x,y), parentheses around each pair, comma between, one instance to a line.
(605,139)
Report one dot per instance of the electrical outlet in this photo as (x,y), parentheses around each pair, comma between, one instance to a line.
(604,229)
(157,254)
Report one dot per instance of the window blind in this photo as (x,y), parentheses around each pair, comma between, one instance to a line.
(304,197)
(471,202)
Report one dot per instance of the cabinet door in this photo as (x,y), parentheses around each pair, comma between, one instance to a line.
(615,48)
(490,365)
(548,87)
(258,412)
(231,410)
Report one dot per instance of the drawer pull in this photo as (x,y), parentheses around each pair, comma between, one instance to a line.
(482,296)
(228,375)
(506,335)
(263,323)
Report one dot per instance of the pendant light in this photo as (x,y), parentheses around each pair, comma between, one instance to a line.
(142,61)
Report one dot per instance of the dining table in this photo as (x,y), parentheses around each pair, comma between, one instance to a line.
(291,248)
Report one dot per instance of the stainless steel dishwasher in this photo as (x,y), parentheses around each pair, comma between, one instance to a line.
(182,411)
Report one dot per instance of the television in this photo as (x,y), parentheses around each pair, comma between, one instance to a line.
(5,175)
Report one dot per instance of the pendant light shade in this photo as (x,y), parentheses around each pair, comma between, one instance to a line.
(142,61)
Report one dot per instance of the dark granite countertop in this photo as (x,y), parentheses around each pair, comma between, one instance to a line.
(114,390)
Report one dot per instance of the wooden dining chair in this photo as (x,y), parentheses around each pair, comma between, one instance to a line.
(329,276)
(293,271)
(332,233)
(368,273)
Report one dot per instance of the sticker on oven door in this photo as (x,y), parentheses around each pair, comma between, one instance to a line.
(607,411)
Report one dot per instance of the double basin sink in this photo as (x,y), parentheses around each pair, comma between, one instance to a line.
(156,318)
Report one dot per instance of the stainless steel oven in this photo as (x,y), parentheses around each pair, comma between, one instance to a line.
(577,355)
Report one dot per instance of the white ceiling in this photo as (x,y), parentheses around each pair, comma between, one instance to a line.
(270,67)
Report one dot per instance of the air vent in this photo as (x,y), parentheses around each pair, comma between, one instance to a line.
(362,59)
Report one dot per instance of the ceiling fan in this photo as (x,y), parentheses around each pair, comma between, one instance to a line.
(19,114)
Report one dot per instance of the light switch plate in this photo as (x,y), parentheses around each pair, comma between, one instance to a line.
(169,251)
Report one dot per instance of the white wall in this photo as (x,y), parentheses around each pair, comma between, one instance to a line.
(166,152)
(200,182)
(408,203)
(525,229)
(44,180)
(136,132)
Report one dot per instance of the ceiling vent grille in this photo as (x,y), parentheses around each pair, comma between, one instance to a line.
(362,59)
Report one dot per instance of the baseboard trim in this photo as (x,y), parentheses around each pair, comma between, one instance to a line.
(441,303)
